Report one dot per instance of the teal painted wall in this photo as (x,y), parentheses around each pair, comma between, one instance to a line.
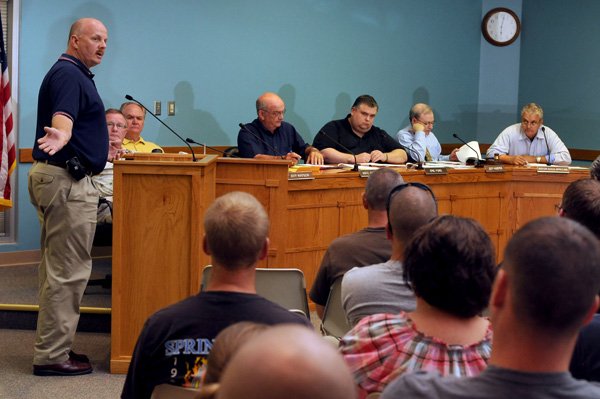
(215,58)
(559,67)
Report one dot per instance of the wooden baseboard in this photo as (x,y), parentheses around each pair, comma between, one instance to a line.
(18,258)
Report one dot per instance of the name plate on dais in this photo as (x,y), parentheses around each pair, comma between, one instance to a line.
(366,172)
(494,168)
(436,171)
(553,169)
(300,176)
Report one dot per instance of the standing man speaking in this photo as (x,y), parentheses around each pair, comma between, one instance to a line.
(71,145)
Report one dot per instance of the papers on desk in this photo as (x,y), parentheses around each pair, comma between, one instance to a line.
(370,165)
(465,152)
(446,164)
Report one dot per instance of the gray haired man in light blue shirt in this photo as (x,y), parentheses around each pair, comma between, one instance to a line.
(530,141)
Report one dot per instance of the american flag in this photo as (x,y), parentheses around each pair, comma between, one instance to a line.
(7,136)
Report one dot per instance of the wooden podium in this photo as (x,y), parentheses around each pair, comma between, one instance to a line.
(159,204)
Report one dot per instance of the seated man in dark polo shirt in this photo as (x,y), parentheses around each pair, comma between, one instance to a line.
(269,137)
(357,134)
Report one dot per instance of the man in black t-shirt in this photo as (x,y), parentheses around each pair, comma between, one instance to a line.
(357,134)
(175,341)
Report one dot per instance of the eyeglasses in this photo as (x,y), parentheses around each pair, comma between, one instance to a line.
(118,125)
(275,113)
(426,123)
(558,208)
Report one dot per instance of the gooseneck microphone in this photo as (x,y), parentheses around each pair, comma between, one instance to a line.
(355,167)
(547,146)
(478,163)
(127,96)
(191,141)
(419,162)
(277,153)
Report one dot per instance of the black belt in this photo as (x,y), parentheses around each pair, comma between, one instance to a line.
(54,163)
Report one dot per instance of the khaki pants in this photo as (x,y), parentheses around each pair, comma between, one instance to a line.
(67,212)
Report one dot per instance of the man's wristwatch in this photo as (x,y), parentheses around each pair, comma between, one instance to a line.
(538,159)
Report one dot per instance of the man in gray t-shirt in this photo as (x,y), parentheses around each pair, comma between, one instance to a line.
(544,293)
(365,247)
(381,288)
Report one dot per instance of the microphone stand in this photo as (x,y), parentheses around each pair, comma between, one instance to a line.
(243,127)
(478,162)
(355,167)
(419,162)
(127,96)
(191,141)
(547,146)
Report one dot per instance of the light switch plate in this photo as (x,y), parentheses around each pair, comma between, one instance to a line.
(171,108)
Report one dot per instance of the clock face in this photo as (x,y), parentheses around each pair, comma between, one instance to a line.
(501,26)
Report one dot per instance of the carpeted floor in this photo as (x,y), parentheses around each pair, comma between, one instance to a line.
(17,380)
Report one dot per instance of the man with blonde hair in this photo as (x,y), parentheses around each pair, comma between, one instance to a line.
(175,342)
(530,141)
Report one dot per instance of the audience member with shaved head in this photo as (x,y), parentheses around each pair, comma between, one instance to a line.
(450,265)
(381,288)
(546,290)
(175,342)
(288,362)
(365,247)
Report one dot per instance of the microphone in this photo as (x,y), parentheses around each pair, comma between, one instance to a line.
(355,168)
(478,163)
(419,162)
(189,140)
(243,127)
(547,146)
(127,96)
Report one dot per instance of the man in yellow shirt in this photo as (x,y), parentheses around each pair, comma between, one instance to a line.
(133,140)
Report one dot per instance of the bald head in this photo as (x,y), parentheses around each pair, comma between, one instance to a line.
(87,41)
(267,101)
(287,361)
(270,109)
(409,209)
(419,109)
(378,188)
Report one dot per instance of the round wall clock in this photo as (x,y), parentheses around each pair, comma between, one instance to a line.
(501,26)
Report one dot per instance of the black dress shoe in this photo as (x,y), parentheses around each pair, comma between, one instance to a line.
(69,367)
(80,357)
